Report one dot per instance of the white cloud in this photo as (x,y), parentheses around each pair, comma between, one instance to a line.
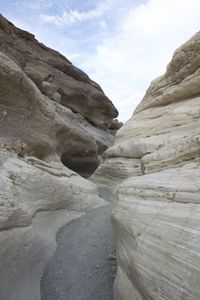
(125,44)
(103,24)
(72,16)
(126,62)
(37,5)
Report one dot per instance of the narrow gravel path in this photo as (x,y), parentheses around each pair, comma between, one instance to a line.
(82,268)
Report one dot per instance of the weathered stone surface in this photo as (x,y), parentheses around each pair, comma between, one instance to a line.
(38,194)
(87,112)
(36,199)
(43,64)
(157,219)
(55,76)
(157,216)
(114,170)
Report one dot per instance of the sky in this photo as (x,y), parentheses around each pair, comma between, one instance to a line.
(121,44)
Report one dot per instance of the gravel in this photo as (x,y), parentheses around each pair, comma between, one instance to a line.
(82,268)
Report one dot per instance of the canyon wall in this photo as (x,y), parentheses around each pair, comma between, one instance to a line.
(89,116)
(51,114)
(156,158)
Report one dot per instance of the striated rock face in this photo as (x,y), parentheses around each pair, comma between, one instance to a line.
(36,199)
(50,113)
(67,92)
(157,216)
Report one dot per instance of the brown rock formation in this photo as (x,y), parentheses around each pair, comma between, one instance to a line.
(66,90)
(50,111)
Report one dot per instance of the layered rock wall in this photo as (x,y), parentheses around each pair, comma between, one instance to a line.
(51,114)
(86,115)
(157,216)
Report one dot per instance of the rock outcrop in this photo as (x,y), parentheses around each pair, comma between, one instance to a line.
(157,216)
(50,113)
(88,114)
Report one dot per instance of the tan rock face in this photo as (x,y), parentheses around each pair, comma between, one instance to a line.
(157,216)
(36,199)
(81,109)
(55,76)
(39,132)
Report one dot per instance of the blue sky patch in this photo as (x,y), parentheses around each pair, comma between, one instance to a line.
(121,44)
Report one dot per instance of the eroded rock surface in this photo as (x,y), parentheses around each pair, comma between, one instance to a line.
(50,112)
(67,92)
(157,217)
(36,199)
